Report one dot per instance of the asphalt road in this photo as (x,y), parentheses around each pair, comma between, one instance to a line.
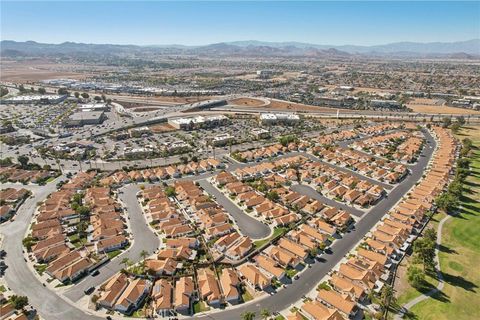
(309,191)
(143,239)
(248,225)
(310,277)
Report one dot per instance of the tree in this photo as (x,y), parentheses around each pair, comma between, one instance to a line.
(272,196)
(28,242)
(144,254)
(455,127)
(18,302)
(430,234)
(424,250)
(461,120)
(104,98)
(23,160)
(62,91)
(22,89)
(265,313)
(446,122)
(3,91)
(42,90)
(447,201)
(248,315)
(416,277)
(97,98)
(126,262)
(76,94)
(85,95)
(170,191)
(386,296)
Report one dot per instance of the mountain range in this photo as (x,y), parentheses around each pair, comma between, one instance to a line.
(469,49)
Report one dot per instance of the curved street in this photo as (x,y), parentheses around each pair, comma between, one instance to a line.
(248,225)
(143,239)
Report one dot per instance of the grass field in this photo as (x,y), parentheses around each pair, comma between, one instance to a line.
(460,253)
(249,102)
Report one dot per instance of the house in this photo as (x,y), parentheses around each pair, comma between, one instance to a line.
(184,293)
(314,310)
(161,267)
(346,286)
(111,290)
(111,244)
(270,266)
(254,277)
(162,294)
(208,287)
(294,248)
(230,283)
(343,303)
(284,258)
(133,296)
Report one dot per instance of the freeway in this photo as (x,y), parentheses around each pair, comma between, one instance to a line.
(248,225)
(310,277)
(143,239)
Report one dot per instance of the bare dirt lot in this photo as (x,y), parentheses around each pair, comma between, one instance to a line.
(422,105)
(248,102)
(36,70)
(292,106)
(162,127)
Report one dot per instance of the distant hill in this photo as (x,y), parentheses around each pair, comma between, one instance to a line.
(456,50)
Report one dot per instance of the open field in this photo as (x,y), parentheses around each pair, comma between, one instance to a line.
(162,127)
(429,106)
(36,70)
(248,102)
(460,253)
(292,106)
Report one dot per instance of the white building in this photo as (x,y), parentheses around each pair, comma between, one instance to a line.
(222,139)
(260,133)
(190,123)
(275,118)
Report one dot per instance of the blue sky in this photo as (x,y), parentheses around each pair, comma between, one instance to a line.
(196,23)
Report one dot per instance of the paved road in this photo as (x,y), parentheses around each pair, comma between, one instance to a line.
(309,279)
(309,191)
(143,239)
(248,225)
(18,275)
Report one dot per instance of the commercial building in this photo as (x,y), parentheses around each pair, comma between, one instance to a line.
(222,139)
(260,133)
(385,104)
(190,123)
(276,118)
(82,118)
(29,99)
(94,107)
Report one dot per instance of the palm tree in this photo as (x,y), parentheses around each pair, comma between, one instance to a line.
(126,262)
(248,315)
(265,314)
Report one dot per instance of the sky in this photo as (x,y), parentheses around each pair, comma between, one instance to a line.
(200,23)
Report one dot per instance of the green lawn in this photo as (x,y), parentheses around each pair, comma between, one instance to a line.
(246,296)
(410,292)
(113,254)
(459,257)
(200,306)
(41,268)
(276,233)
(2,288)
